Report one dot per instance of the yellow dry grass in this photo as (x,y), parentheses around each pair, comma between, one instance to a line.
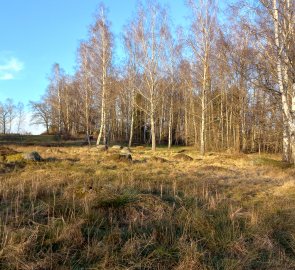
(81,208)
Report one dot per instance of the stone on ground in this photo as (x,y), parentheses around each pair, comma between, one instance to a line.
(120,157)
(32,156)
(125,151)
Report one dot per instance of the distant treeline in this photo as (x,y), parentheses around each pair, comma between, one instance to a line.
(12,117)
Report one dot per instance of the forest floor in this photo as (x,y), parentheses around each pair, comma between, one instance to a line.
(81,208)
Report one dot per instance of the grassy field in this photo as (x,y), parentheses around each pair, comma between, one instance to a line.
(81,208)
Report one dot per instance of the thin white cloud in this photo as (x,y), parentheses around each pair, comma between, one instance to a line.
(6,76)
(10,67)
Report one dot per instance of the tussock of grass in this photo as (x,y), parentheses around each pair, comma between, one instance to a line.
(6,151)
(158,159)
(183,157)
(116,201)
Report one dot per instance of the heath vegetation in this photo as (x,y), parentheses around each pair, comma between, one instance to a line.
(81,208)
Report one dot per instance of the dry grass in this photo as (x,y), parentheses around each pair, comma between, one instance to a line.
(85,209)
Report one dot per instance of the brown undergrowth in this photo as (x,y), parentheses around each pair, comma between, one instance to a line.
(83,209)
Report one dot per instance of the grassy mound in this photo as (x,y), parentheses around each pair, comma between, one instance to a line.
(183,157)
(6,151)
(158,159)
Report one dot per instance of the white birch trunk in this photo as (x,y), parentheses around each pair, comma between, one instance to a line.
(286,110)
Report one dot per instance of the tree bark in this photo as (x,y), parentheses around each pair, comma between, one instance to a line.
(286,110)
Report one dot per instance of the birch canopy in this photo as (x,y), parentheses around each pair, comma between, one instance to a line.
(226,82)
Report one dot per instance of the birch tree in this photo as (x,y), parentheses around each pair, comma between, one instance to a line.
(201,42)
(150,37)
(283,33)
(131,48)
(101,57)
(172,63)
(281,43)
(85,86)
(20,114)
(234,90)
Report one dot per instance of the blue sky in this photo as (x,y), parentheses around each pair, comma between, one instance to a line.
(34,34)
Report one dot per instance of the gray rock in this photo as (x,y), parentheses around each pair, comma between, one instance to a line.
(33,156)
(120,157)
(126,157)
(125,151)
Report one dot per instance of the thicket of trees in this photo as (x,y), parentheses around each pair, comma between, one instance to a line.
(221,84)
(12,117)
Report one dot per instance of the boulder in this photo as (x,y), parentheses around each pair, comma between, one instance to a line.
(32,156)
(125,151)
(120,157)
(127,157)
(183,157)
